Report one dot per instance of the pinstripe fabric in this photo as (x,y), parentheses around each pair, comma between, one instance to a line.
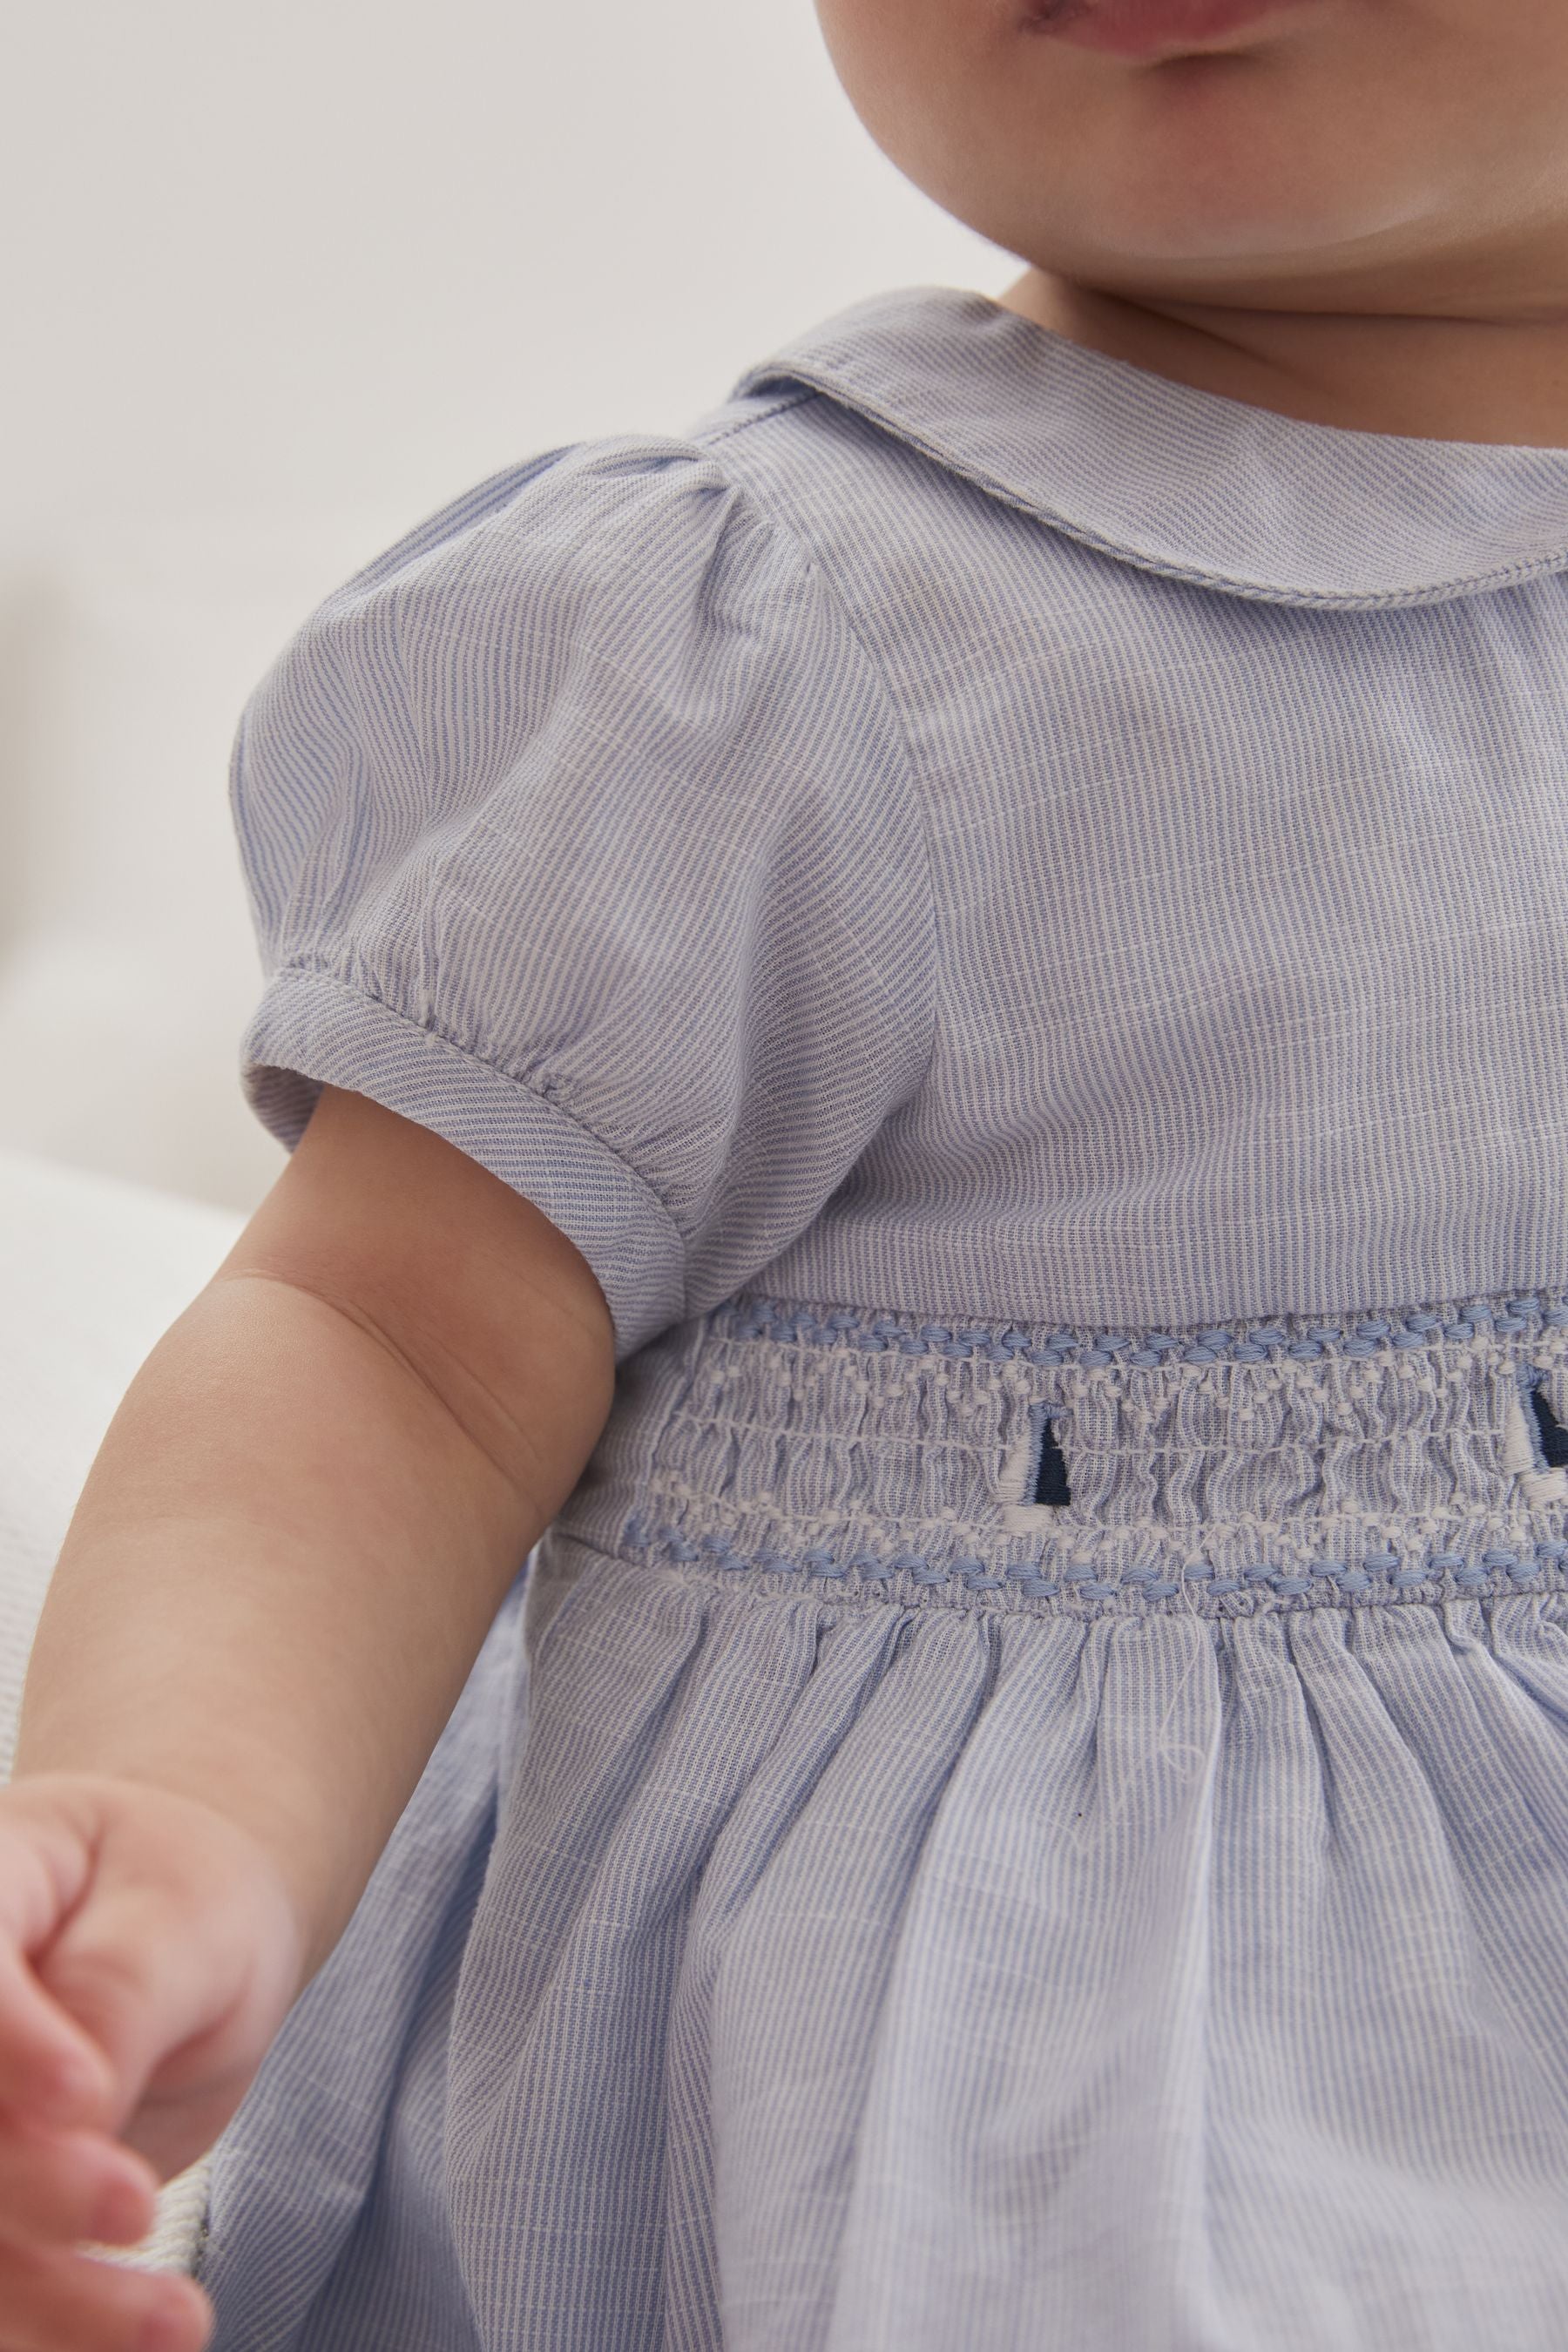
(997,898)
(787,861)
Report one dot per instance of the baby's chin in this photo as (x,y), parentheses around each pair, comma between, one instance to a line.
(1151,213)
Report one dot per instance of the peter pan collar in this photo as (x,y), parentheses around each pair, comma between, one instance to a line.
(1181,481)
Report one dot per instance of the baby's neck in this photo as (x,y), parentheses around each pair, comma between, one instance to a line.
(1442,379)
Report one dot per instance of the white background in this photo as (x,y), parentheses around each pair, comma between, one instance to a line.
(276,282)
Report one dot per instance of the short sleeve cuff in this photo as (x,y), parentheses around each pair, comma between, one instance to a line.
(310,1030)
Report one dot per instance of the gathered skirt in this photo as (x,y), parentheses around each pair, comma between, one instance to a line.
(973,1839)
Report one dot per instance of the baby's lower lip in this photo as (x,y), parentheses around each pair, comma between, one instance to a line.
(1132,27)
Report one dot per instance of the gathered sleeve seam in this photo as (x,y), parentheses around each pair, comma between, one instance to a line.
(302,968)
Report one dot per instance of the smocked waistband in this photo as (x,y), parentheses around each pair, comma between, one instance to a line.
(1289,1462)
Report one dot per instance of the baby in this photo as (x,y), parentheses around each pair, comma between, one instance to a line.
(845,1630)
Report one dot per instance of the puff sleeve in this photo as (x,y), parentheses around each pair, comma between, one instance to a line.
(579,827)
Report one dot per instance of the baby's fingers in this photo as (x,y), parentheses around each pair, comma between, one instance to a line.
(70,2186)
(49,2066)
(53,2302)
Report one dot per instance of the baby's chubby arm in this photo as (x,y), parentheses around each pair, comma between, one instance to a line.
(314,1497)
(306,1512)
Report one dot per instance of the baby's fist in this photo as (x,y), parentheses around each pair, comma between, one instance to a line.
(149,1952)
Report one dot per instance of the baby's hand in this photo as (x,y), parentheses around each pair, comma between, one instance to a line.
(148,1941)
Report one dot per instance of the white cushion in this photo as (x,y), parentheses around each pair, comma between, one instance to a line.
(92,1271)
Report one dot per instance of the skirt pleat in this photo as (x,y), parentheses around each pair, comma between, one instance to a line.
(885,1980)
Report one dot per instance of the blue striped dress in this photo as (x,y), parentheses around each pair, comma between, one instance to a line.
(1016,912)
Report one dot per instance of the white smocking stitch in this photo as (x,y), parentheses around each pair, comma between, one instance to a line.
(1400,1464)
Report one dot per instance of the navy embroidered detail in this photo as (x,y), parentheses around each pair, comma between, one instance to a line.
(1051,1475)
(1553,1436)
